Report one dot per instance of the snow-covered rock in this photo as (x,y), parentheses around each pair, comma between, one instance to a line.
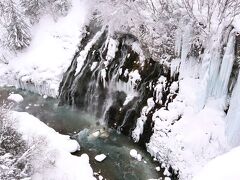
(16,98)
(167,178)
(133,153)
(96,134)
(139,157)
(100,157)
(158,168)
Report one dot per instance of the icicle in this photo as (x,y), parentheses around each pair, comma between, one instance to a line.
(209,73)
(186,46)
(221,86)
(178,42)
(233,117)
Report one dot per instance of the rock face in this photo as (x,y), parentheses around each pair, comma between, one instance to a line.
(111,77)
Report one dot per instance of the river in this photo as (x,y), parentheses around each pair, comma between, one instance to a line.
(118,165)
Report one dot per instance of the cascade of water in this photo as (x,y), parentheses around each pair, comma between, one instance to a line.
(111,78)
(100,78)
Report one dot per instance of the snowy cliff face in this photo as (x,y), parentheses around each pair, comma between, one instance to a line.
(111,77)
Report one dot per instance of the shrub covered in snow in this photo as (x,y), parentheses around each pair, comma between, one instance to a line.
(14,152)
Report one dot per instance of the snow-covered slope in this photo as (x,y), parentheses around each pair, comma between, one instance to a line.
(52,158)
(40,67)
(224,167)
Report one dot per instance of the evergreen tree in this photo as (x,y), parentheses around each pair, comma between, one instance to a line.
(18,31)
(33,9)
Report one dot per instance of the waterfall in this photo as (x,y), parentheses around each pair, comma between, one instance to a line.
(103,78)
(111,78)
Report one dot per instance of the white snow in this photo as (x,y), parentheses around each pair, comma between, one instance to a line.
(187,134)
(142,119)
(100,157)
(112,48)
(167,178)
(133,153)
(94,65)
(159,88)
(232,119)
(83,54)
(134,77)
(158,168)
(136,47)
(129,98)
(224,167)
(174,141)
(54,149)
(16,98)
(100,177)
(139,157)
(40,67)
(96,134)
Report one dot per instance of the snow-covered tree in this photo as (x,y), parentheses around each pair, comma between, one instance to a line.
(18,34)
(59,7)
(158,24)
(153,22)
(14,162)
(33,9)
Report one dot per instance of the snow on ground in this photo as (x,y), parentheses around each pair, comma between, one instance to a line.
(40,67)
(224,167)
(54,160)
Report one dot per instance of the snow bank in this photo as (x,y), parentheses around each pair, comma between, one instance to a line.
(54,161)
(40,67)
(15,97)
(224,167)
(184,138)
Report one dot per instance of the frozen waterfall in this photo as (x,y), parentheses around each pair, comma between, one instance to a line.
(221,86)
(233,117)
